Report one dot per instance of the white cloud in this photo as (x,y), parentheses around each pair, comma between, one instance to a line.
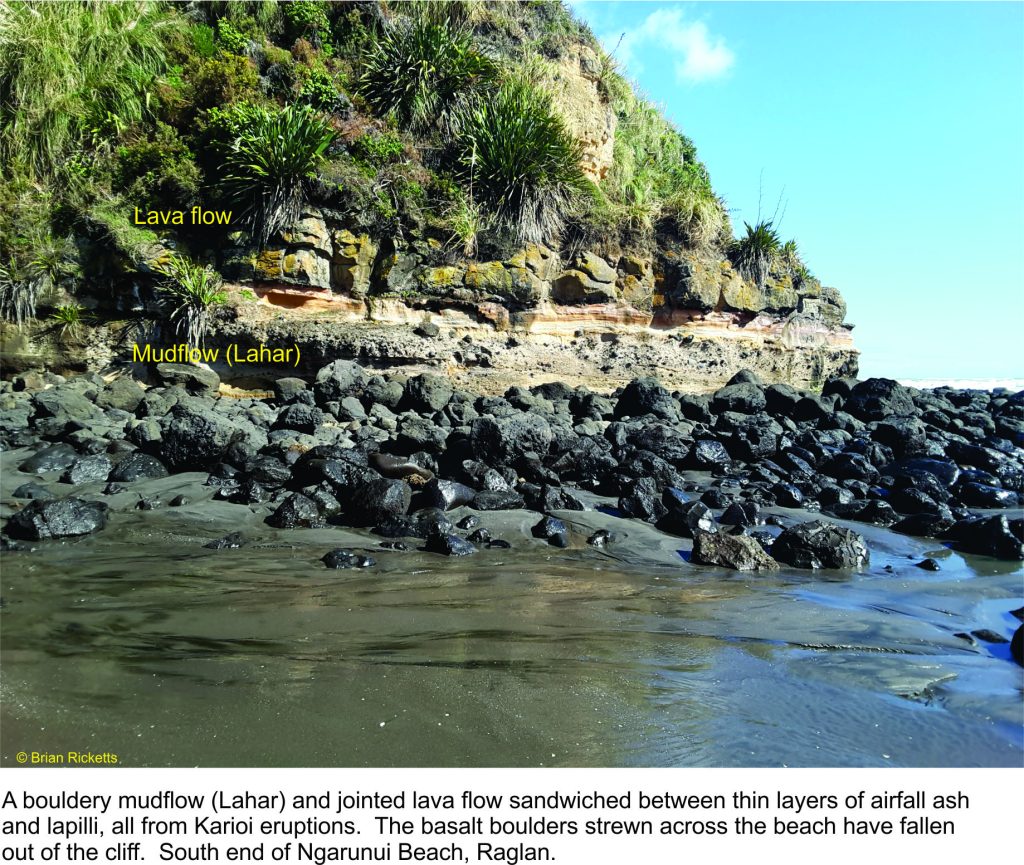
(698,56)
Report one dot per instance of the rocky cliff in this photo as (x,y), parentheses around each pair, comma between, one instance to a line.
(396,257)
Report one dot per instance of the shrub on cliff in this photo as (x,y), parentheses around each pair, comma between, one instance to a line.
(158,172)
(518,159)
(191,291)
(756,252)
(268,164)
(420,69)
(43,262)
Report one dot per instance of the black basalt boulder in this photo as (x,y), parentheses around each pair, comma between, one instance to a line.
(421,524)
(378,499)
(983,496)
(446,494)
(873,511)
(427,393)
(505,440)
(449,545)
(300,417)
(552,530)
(342,559)
(879,398)
(641,499)
(646,396)
(338,380)
(819,544)
(196,438)
(54,458)
(497,500)
(297,512)
(687,519)
(32,491)
(87,469)
(707,454)
(135,467)
(195,379)
(987,536)
(61,518)
(925,525)
(744,398)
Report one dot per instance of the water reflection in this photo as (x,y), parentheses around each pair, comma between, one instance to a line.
(139,641)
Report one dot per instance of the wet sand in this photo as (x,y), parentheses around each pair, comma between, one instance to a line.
(138,641)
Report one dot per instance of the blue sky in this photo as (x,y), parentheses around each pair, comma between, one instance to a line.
(894,134)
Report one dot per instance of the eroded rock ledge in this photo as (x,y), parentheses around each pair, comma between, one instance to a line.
(601,346)
(688,317)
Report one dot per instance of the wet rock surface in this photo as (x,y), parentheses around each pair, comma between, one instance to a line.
(738,552)
(62,518)
(392,453)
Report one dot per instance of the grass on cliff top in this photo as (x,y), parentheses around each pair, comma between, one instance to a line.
(656,176)
(74,72)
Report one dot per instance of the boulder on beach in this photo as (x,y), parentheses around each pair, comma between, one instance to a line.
(819,544)
(54,458)
(87,469)
(296,512)
(687,519)
(59,518)
(739,552)
(378,499)
(879,398)
(195,379)
(337,380)
(988,536)
(447,494)
(644,396)
(552,530)
(343,559)
(427,393)
(195,437)
(449,545)
(505,440)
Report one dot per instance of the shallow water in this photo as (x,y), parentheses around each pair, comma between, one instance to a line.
(140,642)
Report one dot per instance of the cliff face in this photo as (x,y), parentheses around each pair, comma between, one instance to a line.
(397,257)
(684,316)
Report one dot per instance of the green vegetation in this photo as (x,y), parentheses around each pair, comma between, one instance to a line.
(68,319)
(191,292)
(39,266)
(420,69)
(75,71)
(436,123)
(757,251)
(268,163)
(468,221)
(159,171)
(656,177)
(516,155)
(377,149)
(19,291)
